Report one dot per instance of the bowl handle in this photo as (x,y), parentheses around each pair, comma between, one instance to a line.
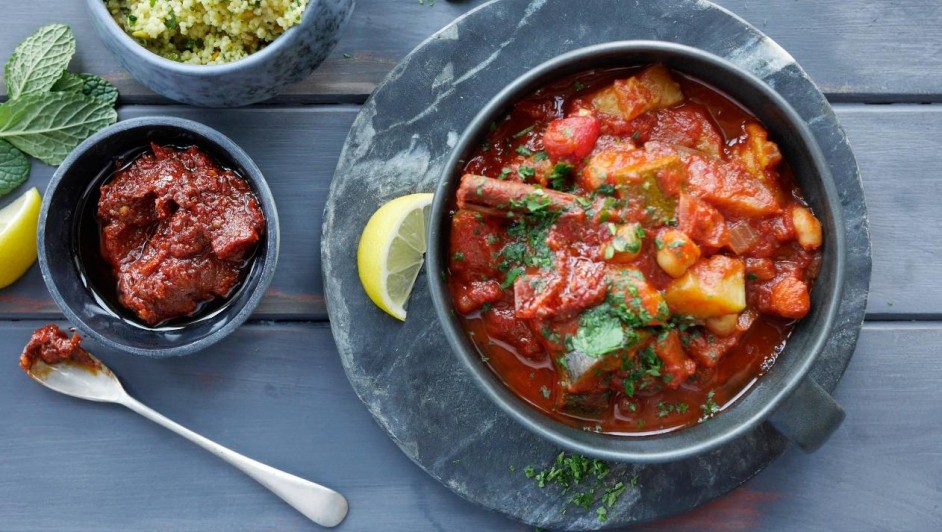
(808,416)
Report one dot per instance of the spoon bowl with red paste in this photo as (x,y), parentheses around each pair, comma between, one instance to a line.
(158,237)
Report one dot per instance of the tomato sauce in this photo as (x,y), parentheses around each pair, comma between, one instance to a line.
(177,230)
(629,251)
(53,346)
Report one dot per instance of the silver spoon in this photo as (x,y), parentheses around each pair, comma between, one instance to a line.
(324,506)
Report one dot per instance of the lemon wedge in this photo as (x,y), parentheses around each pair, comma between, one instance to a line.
(18,223)
(391,251)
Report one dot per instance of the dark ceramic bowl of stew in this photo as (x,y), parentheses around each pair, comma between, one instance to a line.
(158,237)
(636,250)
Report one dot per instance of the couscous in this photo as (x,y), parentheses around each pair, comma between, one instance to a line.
(206,32)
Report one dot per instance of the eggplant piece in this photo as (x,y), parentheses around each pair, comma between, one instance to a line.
(593,406)
(581,393)
(582,373)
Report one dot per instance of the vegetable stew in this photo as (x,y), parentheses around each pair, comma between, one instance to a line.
(629,251)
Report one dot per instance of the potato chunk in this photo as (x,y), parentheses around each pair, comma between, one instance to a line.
(652,89)
(676,252)
(711,288)
(807,228)
(755,151)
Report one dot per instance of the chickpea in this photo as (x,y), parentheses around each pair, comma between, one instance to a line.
(807,228)
(676,252)
(625,245)
(722,325)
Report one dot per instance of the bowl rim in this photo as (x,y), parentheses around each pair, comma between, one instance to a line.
(655,449)
(251,61)
(252,292)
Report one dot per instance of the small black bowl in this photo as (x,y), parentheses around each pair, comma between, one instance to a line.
(796,406)
(68,266)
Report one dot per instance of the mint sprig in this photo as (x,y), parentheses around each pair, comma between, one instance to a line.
(50,110)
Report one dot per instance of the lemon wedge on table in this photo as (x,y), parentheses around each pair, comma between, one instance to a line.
(18,223)
(391,251)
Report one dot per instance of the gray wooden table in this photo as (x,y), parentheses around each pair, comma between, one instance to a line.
(276,390)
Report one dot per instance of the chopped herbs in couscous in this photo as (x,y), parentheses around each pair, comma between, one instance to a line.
(206,32)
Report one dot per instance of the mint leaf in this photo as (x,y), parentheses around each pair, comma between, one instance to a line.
(99,88)
(50,125)
(68,82)
(87,84)
(599,333)
(14,168)
(38,62)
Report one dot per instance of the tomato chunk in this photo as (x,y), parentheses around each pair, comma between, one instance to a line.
(789,298)
(571,138)
(501,324)
(703,223)
(677,365)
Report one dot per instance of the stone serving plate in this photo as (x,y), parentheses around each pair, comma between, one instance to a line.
(67,199)
(288,59)
(797,407)
(406,373)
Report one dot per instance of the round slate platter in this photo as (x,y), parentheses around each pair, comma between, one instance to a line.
(405,373)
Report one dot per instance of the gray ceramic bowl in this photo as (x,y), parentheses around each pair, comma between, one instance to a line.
(288,59)
(69,268)
(798,407)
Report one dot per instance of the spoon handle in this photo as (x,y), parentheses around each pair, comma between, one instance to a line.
(322,505)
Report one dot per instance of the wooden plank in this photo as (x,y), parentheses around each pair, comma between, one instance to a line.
(300,147)
(856,50)
(278,393)
(897,149)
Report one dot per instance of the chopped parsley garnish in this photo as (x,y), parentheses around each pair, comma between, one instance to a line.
(585,478)
(540,156)
(504,174)
(612,493)
(709,408)
(578,85)
(583,202)
(523,150)
(526,172)
(599,333)
(523,131)
(605,190)
(527,247)
(557,178)
(665,408)
(512,276)
(458,256)
(535,203)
